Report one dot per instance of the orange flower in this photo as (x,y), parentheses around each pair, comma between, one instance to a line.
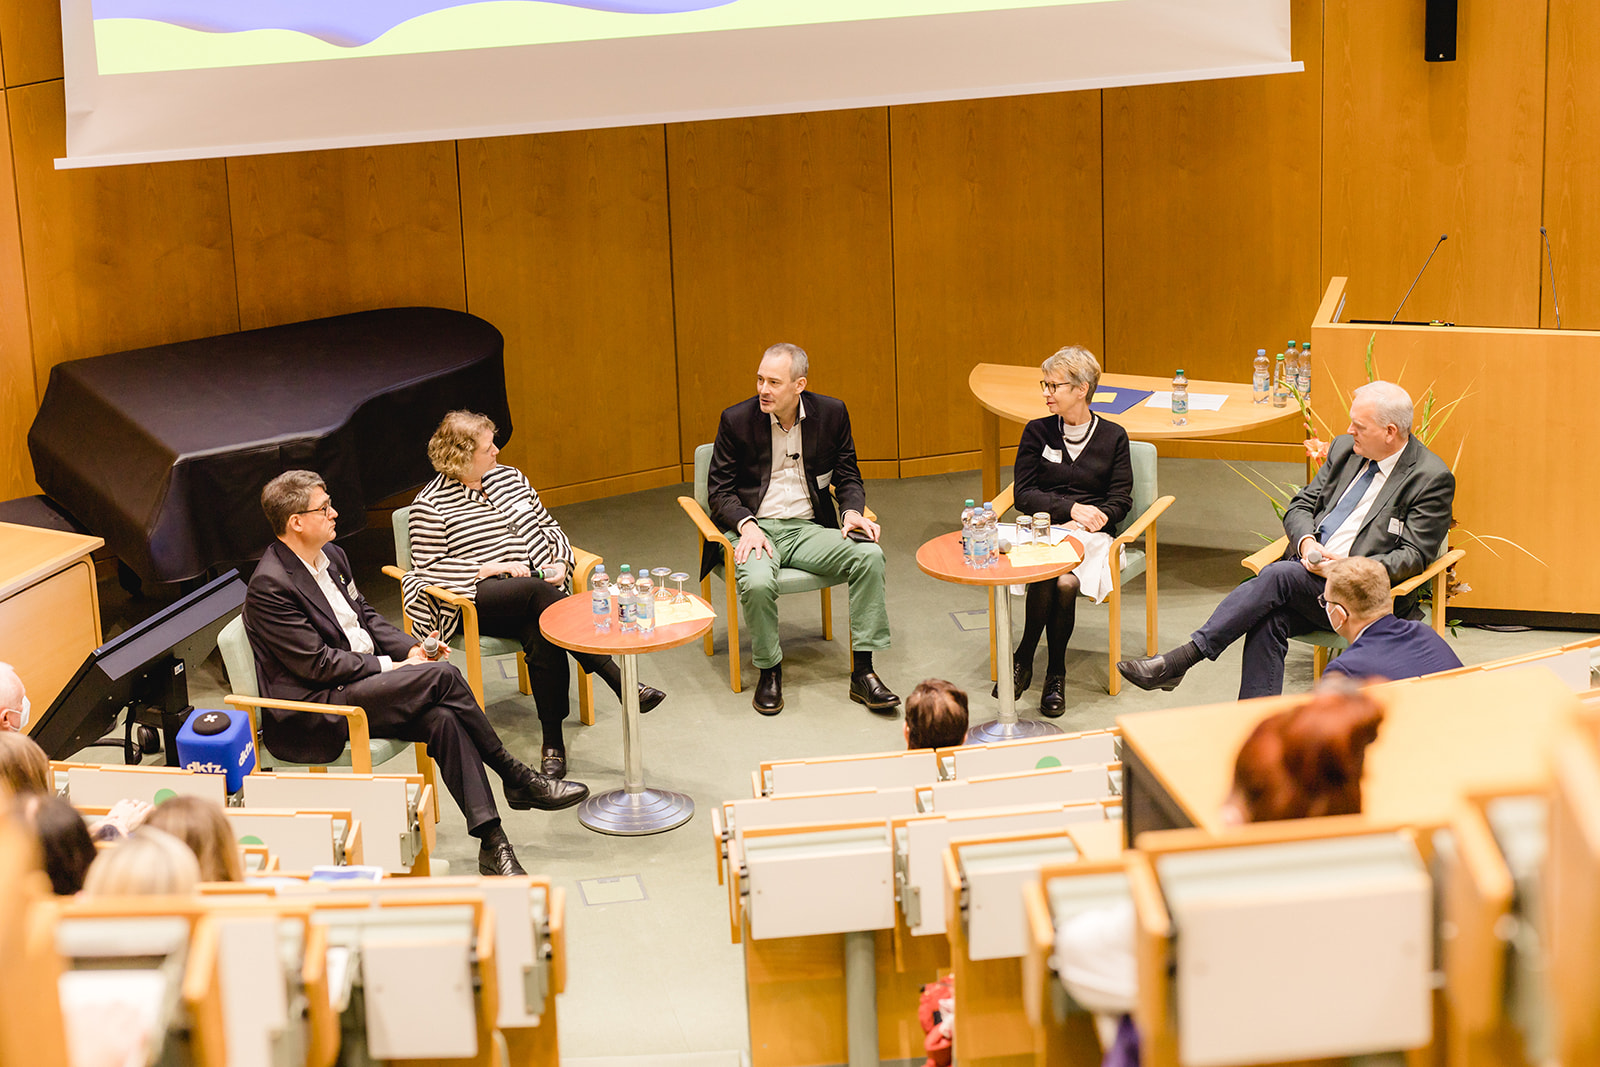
(1317,449)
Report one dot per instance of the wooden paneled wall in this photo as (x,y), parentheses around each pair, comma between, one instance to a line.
(638,273)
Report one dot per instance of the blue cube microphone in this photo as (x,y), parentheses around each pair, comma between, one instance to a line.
(217,742)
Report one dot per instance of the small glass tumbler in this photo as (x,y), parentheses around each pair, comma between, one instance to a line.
(680,597)
(1041,527)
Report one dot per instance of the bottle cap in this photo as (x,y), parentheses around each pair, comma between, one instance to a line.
(1280,357)
(1261,351)
(1180,370)
(625,566)
(969,503)
(1305,346)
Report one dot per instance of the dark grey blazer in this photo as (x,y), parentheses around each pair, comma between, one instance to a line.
(1406,528)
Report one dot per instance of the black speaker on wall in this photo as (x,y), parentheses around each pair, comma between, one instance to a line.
(1439,38)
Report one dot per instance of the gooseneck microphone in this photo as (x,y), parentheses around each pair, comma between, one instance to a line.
(1554,299)
(1443,237)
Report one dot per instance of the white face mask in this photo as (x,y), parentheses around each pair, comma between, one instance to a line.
(26,712)
(1333,624)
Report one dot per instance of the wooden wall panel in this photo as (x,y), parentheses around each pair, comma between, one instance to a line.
(567,253)
(997,249)
(18,399)
(1572,164)
(116,257)
(1416,149)
(1211,217)
(781,232)
(323,233)
(30,38)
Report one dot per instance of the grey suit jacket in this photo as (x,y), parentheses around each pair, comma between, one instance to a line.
(1406,528)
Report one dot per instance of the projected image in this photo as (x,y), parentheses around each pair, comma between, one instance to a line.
(136,36)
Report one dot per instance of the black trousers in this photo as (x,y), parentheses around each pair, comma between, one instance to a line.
(510,607)
(1266,611)
(432,703)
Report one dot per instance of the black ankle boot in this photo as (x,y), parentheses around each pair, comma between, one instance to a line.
(1021,678)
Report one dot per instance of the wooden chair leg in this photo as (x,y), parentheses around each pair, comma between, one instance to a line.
(1319,662)
(585,698)
(524,683)
(732,588)
(705,594)
(827,613)
(1440,608)
(994,641)
(851,629)
(430,775)
(1150,636)
(1114,602)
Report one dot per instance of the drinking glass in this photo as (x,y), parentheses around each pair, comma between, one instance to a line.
(679,597)
(660,576)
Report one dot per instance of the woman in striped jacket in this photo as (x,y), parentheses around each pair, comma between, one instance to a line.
(479,530)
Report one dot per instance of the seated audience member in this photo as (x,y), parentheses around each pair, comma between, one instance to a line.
(150,862)
(1296,764)
(64,841)
(200,824)
(24,768)
(1381,494)
(479,531)
(14,708)
(316,638)
(1381,646)
(936,715)
(1076,466)
(125,816)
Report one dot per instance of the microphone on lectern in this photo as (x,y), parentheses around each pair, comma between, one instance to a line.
(1554,299)
(1443,237)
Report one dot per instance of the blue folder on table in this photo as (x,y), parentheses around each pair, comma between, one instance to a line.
(1109,401)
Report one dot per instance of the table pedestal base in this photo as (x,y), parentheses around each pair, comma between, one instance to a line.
(996,730)
(626,814)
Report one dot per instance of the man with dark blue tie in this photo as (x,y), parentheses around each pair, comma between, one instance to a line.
(1382,647)
(1381,495)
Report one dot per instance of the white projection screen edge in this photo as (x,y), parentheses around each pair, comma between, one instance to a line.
(294,106)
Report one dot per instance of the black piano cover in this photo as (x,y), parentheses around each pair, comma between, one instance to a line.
(163,451)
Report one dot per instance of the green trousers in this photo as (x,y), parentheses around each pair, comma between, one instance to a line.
(806,546)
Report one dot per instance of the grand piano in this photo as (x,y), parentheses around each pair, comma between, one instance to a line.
(163,451)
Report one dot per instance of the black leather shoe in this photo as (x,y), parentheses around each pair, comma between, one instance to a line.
(1054,700)
(769,691)
(553,762)
(1021,678)
(1152,672)
(545,793)
(498,859)
(649,698)
(869,689)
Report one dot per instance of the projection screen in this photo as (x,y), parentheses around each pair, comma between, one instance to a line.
(150,80)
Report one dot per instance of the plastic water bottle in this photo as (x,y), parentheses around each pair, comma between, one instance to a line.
(627,601)
(600,598)
(1304,375)
(1280,384)
(991,536)
(1261,378)
(644,611)
(1291,363)
(1180,399)
(966,533)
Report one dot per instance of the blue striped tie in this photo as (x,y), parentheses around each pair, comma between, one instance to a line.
(1347,503)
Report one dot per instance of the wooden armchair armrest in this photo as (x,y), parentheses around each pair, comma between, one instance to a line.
(1439,566)
(1271,554)
(1005,499)
(708,529)
(394,572)
(583,567)
(1142,523)
(356,719)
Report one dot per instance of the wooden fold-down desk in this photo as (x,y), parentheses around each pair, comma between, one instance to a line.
(1440,740)
(49,607)
(1012,393)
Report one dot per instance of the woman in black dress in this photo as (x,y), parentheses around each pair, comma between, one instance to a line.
(1075,465)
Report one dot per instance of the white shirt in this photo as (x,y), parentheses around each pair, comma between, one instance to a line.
(786,490)
(349,622)
(1339,542)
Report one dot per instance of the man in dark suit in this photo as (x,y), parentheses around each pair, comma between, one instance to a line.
(1381,494)
(1360,610)
(316,638)
(775,459)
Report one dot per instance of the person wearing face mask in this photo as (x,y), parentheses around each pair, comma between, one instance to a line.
(1382,494)
(15,711)
(1381,646)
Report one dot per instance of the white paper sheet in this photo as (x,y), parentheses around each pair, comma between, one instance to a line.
(1197,401)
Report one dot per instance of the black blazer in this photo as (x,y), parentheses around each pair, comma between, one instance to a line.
(741,465)
(301,652)
(1408,522)
(1101,476)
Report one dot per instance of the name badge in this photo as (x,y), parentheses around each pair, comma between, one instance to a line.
(1396,527)
(1052,454)
(824,480)
(350,588)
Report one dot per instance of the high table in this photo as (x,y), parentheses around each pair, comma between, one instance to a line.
(1010,392)
(941,558)
(634,810)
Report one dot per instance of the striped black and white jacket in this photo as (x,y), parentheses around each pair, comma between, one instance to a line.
(456,530)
